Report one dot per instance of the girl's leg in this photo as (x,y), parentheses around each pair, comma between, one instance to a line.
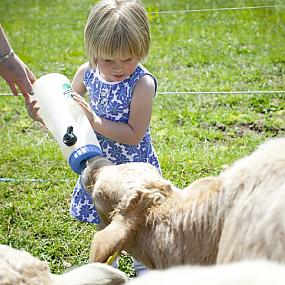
(115,263)
(140,269)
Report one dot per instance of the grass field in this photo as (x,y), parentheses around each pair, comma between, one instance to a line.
(194,135)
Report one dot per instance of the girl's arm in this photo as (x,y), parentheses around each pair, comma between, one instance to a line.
(134,130)
(77,82)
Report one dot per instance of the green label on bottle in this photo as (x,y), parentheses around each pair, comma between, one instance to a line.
(66,88)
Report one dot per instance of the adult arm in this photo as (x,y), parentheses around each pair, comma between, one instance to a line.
(13,70)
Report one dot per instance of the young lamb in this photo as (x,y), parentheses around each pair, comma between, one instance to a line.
(18,267)
(258,272)
(237,215)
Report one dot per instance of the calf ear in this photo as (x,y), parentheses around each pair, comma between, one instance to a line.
(138,202)
(109,240)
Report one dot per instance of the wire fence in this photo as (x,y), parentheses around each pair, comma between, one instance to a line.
(33,180)
(219,9)
(205,92)
(223,92)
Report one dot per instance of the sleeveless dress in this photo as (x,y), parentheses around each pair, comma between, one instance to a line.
(111,100)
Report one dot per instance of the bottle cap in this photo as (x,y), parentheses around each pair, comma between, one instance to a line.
(78,157)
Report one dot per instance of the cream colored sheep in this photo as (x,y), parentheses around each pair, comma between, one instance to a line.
(237,215)
(258,272)
(18,267)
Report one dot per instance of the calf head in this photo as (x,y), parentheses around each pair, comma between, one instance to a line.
(124,195)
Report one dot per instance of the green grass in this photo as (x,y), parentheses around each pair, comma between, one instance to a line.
(194,135)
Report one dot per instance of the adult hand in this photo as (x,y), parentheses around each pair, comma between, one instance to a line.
(33,110)
(16,73)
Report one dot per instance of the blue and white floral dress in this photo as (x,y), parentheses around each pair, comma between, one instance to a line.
(111,100)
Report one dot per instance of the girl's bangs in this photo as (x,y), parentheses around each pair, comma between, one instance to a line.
(118,45)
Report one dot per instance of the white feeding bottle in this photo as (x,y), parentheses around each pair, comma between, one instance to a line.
(66,120)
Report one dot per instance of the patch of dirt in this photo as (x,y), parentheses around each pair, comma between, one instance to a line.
(259,127)
(243,128)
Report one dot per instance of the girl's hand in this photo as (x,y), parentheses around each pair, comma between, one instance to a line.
(32,110)
(90,114)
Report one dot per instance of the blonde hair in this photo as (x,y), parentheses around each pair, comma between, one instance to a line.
(117,28)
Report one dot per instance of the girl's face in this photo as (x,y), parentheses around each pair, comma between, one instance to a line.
(117,69)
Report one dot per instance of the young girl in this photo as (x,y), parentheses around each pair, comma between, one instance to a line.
(120,89)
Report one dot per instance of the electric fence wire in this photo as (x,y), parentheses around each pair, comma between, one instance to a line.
(218,9)
(204,92)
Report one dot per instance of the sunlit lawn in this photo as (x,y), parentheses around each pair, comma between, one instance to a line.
(194,135)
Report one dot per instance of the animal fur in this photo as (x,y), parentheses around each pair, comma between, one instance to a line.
(237,215)
(258,272)
(18,267)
